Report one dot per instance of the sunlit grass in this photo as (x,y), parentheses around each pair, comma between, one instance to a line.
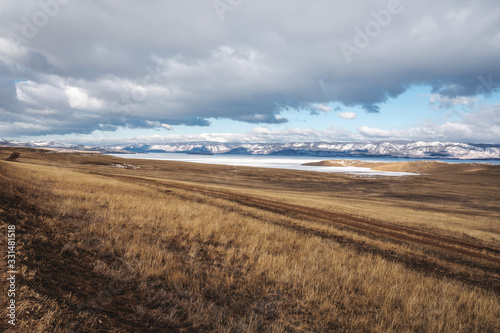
(210,264)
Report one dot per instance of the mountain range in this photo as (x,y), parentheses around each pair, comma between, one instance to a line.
(403,149)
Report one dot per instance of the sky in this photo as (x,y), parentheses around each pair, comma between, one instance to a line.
(250,71)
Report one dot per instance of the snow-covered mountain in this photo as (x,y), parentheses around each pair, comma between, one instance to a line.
(39,144)
(419,149)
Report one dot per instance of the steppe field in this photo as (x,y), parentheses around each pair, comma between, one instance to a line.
(106,244)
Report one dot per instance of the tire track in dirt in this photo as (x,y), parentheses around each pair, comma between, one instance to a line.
(438,264)
(485,278)
(379,228)
(468,272)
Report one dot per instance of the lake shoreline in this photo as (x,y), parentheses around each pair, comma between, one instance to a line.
(301,163)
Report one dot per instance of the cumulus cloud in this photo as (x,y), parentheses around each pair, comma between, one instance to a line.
(348,115)
(257,134)
(316,109)
(95,64)
(447,102)
(479,126)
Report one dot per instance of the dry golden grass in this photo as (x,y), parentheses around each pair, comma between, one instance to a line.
(136,255)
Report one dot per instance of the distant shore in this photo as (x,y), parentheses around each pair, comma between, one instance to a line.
(413,166)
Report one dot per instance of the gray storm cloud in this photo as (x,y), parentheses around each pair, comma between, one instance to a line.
(77,66)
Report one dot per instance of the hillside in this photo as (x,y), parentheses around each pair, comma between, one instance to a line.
(420,167)
(106,244)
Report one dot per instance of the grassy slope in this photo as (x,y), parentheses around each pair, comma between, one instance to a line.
(101,252)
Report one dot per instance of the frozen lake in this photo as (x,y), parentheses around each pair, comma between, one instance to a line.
(285,162)
(268,161)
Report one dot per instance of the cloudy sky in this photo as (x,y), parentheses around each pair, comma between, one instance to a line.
(250,70)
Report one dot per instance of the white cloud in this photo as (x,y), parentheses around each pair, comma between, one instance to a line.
(323,108)
(479,126)
(10,51)
(446,102)
(34,95)
(257,134)
(373,132)
(111,64)
(78,99)
(348,115)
